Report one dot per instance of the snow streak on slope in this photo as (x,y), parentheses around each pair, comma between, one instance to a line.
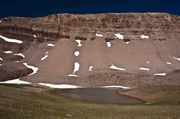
(35,69)
(11,40)
(15,81)
(61,86)
(116,68)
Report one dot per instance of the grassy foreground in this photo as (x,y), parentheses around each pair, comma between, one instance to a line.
(20,103)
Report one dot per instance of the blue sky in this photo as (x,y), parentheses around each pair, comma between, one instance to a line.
(34,8)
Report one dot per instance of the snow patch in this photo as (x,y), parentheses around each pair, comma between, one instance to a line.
(0,64)
(20,54)
(143,68)
(108,44)
(1,59)
(0,21)
(8,52)
(99,35)
(34,36)
(160,74)
(61,86)
(115,86)
(168,63)
(118,35)
(76,53)
(15,81)
(43,58)
(11,40)
(73,75)
(127,42)
(35,69)
(76,67)
(90,68)
(144,36)
(46,53)
(116,68)
(50,45)
(79,43)
(177,58)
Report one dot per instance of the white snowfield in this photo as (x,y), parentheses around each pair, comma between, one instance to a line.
(99,35)
(8,52)
(61,86)
(143,68)
(118,35)
(76,67)
(177,58)
(50,45)
(168,63)
(144,36)
(34,36)
(76,53)
(108,44)
(90,68)
(1,59)
(43,58)
(116,68)
(115,86)
(35,69)
(15,81)
(20,54)
(11,40)
(160,74)
(79,43)
(73,75)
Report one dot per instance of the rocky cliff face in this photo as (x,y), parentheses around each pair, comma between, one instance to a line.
(109,49)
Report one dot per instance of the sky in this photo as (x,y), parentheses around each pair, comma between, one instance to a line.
(35,8)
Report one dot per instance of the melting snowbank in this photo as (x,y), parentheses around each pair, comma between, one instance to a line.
(160,74)
(90,68)
(118,35)
(61,86)
(8,52)
(50,45)
(76,67)
(35,69)
(168,63)
(34,36)
(116,68)
(73,75)
(144,36)
(177,58)
(79,43)
(143,68)
(76,53)
(43,58)
(11,40)
(99,35)
(20,54)
(15,81)
(108,44)
(115,86)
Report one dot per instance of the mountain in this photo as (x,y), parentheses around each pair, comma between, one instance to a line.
(129,49)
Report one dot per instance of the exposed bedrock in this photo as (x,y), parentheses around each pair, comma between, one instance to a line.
(131,49)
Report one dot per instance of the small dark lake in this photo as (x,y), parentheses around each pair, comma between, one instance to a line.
(100,95)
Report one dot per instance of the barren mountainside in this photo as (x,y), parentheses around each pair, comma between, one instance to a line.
(129,49)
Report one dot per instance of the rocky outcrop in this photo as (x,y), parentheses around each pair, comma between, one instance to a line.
(141,43)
